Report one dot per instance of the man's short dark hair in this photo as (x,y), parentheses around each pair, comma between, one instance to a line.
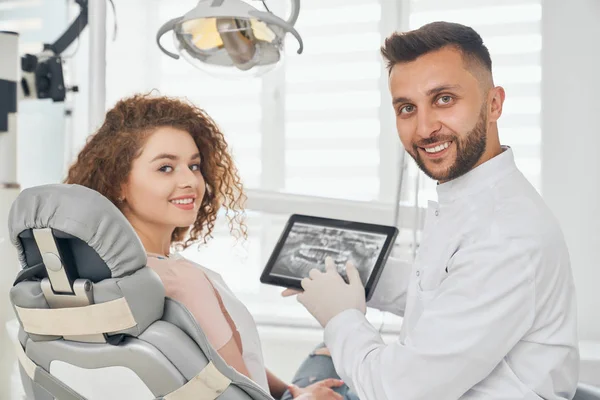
(408,46)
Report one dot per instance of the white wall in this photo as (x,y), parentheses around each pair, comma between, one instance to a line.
(570,162)
(571,141)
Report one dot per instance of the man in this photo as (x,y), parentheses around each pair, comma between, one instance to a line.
(489,304)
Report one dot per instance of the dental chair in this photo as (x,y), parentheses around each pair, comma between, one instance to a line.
(94,320)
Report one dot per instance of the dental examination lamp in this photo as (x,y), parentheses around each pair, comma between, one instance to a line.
(231,37)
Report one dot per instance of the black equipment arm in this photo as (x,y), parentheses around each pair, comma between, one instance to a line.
(72,32)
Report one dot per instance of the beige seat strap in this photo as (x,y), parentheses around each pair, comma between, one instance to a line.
(28,365)
(111,316)
(207,385)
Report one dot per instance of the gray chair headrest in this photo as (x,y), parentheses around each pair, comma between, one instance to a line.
(83,218)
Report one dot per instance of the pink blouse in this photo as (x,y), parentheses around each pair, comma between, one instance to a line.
(188,284)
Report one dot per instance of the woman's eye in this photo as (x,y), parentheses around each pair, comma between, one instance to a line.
(166,168)
(195,167)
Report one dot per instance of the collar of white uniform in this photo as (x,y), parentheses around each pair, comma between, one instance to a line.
(482,177)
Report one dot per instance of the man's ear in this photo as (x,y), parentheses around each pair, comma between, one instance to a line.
(495,101)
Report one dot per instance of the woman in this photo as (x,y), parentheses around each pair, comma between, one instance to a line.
(165,164)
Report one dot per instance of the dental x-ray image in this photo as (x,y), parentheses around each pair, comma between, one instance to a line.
(307,246)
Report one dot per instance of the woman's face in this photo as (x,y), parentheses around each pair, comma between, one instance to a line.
(165,188)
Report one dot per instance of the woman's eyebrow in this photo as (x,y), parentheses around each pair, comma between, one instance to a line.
(165,155)
(173,157)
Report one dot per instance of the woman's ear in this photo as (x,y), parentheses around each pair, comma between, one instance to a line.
(122,195)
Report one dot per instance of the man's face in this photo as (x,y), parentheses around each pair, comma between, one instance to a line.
(441,113)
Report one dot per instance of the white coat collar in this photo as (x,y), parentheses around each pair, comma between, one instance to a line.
(483,176)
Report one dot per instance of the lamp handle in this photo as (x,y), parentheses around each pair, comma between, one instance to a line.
(169,25)
(275,20)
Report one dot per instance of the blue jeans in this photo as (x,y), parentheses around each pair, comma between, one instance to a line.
(316,368)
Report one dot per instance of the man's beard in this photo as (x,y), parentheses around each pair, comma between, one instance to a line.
(468,151)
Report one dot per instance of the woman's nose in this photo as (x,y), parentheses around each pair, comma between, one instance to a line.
(187,178)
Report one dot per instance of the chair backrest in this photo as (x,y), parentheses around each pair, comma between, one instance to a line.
(587,392)
(94,320)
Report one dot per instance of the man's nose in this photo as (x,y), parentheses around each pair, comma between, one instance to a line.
(428,123)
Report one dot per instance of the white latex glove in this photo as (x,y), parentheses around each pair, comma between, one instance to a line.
(326,294)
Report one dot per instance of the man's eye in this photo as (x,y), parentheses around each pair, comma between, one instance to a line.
(445,99)
(406,109)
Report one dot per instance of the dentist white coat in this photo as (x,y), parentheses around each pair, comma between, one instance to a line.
(489,305)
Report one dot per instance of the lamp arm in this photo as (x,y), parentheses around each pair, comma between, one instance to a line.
(295,12)
(72,32)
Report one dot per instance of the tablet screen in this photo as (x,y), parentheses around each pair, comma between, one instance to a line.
(307,246)
(307,241)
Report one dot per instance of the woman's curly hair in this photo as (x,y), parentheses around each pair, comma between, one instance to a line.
(105,161)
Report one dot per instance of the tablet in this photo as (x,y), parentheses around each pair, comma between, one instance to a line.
(306,241)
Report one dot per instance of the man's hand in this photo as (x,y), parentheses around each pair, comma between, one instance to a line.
(326,294)
(317,391)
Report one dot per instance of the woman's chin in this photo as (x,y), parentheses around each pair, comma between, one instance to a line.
(179,223)
(185,223)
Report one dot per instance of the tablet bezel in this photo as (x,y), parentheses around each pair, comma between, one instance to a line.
(391,233)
